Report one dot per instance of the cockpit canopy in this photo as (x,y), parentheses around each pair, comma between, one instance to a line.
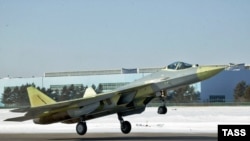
(179,66)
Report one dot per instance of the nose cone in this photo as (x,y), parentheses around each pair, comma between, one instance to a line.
(205,72)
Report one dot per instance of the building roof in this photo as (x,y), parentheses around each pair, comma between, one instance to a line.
(102,72)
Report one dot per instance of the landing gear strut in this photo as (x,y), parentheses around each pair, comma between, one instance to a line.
(81,127)
(163,109)
(125,125)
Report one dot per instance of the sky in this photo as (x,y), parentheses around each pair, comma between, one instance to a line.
(38,36)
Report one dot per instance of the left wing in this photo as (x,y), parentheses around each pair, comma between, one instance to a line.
(125,97)
(36,97)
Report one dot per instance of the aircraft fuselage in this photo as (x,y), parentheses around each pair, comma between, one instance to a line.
(127,100)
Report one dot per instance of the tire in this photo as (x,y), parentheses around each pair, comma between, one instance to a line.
(81,128)
(162,110)
(125,127)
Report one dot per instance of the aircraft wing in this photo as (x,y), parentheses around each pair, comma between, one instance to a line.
(72,103)
(33,112)
(126,94)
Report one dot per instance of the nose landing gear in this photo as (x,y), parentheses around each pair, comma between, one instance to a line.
(163,109)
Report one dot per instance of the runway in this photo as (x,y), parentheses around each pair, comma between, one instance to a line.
(180,124)
(109,137)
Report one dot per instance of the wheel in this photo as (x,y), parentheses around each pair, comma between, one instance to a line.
(81,128)
(125,127)
(162,110)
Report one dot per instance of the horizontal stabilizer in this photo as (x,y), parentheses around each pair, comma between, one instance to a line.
(19,119)
(90,92)
(20,110)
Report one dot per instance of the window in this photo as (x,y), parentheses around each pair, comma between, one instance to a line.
(217,98)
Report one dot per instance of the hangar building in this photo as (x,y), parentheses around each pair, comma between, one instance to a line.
(216,89)
(221,87)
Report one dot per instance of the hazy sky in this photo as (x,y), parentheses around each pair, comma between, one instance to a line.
(38,36)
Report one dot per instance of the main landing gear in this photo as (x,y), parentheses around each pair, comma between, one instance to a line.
(125,125)
(81,127)
(163,109)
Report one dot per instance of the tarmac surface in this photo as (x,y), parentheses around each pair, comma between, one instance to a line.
(109,137)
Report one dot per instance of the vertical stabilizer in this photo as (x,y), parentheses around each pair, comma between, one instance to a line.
(37,98)
(90,92)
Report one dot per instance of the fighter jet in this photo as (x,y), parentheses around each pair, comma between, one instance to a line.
(124,101)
